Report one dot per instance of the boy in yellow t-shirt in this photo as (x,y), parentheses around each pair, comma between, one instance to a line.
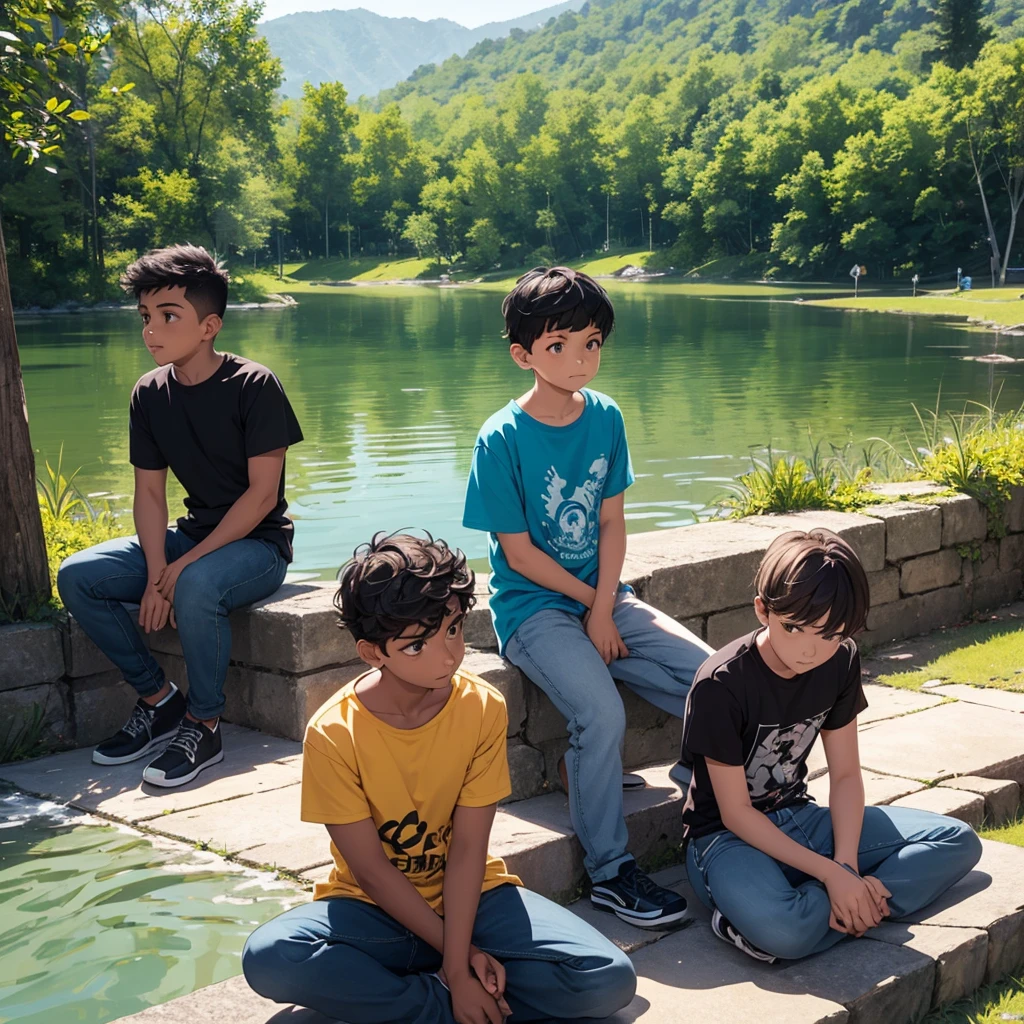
(417,924)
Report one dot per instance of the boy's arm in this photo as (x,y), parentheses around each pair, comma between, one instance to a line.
(525,558)
(611,552)
(240,520)
(846,791)
(149,508)
(854,907)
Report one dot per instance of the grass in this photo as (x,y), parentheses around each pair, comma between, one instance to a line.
(1001,306)
(982,654)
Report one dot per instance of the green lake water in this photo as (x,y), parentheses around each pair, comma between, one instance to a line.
(391,386)
(97,922)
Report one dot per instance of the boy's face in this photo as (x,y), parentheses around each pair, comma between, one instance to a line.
(428,662)
(800,648)
(171,328)
(568,360)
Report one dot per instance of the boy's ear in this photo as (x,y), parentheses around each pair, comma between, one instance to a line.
(211,326)
(370,653)
(760,611)
(519,356)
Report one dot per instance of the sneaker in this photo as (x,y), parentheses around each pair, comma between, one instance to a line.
(149,726)
(638,899)
(725,931)
(194,748)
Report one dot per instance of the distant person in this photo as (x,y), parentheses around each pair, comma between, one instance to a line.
(547,482)
(785,878)
(417,923)
(222,424)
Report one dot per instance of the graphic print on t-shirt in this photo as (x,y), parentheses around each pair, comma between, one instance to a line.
(571,525)
(773,767)
(403,837)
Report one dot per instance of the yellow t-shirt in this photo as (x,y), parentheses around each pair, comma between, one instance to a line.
(408,781)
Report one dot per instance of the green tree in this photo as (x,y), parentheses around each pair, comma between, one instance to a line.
(421,231)
(484,245)
(961,32)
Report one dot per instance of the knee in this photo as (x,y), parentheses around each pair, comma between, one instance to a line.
(789,936)
(614,987)
(193,593)
(73,577)
(967,846)
(264,966)
(602,722)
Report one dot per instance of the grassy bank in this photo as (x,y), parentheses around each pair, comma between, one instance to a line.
(1001,307)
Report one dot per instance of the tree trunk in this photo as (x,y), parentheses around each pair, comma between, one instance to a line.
(1015,188)
(24,575)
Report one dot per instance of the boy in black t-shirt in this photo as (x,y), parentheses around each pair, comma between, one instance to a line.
(222,425)
(783,876)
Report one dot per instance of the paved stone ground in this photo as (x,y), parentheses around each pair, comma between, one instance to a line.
(961,753)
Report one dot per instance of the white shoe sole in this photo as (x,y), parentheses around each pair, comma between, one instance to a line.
(98,758)
(652,919)
(157,778)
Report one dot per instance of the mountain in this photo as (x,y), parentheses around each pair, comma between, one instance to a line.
(368,52)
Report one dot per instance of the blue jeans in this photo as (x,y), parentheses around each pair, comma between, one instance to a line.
(353,962)
(916,855)
(96,583)
(553,650)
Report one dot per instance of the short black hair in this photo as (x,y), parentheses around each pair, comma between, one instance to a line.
(555,299)
(399,580)
(807,576)
(204,279)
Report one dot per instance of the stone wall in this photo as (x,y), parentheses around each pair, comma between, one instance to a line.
(931,561)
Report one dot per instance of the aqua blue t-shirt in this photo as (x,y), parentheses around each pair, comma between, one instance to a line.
(531,477)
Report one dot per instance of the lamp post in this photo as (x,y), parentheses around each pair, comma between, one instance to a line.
(915,279)
(958,273)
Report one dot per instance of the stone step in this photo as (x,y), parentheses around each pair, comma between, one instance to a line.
(969,937)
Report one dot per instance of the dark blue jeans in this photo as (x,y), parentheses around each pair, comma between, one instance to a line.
(916,855)
(96,583)
(351,961)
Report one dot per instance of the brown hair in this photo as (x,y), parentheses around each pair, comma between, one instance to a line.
(808,576)
(397,581)
(205,281)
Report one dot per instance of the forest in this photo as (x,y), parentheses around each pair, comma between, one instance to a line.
(792,137)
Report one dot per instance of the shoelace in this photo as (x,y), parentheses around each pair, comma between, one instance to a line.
(187,740)
(645,885)
(140,721)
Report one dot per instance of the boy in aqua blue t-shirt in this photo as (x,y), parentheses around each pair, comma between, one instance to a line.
(547,483)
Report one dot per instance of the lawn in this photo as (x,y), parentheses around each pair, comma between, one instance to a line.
(982,654)
(1002,306)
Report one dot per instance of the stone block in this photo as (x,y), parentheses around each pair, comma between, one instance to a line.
(964,519)
(652,736)
(987,696)
(995,591)
(878,789)
(890,701)
(1011,553)
(929,572)
(918,613)
(81,655)
(862,532)
(884,586)
(18,706)
(526,770)
(503,676)
(697,625)
(726,626)
(954,803)
(908,490)
(1002,797)
(100,705)
(1013,513)
(543,720)
(478,627)
(910,529)
(30,653)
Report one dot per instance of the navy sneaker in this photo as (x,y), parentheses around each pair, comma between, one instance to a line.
(148,727)
(725,931)
(194,748)
(638,899)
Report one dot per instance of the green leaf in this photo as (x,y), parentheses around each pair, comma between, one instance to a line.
(51,104)
(79,115)
(61,107)
(128,87)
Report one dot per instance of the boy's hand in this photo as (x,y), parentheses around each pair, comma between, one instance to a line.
(491,974)
(155,610)
(471,1003)
(880,893)
(168,579)
(854,904)
(604,635)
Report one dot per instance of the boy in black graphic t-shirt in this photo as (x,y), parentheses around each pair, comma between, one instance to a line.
(222,425)
(783,876)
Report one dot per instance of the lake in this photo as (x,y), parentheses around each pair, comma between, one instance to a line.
(391,385)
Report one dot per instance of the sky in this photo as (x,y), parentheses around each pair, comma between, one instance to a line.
(470,13)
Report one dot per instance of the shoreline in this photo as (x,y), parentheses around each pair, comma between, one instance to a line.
(283,302)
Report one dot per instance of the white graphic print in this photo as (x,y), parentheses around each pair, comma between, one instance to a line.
(773,767)
(571,525)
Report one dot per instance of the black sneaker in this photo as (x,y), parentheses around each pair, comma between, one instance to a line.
(638,899)
(148,727)
(194,748)
(724,930)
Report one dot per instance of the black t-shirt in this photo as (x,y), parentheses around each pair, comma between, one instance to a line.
(739,712)
(206,433)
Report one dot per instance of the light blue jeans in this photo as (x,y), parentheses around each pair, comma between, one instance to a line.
(916,855)
(553,650)
(353,962)
(96,583)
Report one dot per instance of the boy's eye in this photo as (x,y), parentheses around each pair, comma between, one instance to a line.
(168,317)
(414,648)
(790,627)
(556,349)
(593,345)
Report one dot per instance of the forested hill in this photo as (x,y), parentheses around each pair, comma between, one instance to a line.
(616,49)
(367,52)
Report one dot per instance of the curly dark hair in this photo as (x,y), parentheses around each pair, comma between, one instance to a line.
(397,581)
(556,299)
(808,576)
(204,279)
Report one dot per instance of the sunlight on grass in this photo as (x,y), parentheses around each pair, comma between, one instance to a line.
(1001,305)
(984,654)
(1012,833)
